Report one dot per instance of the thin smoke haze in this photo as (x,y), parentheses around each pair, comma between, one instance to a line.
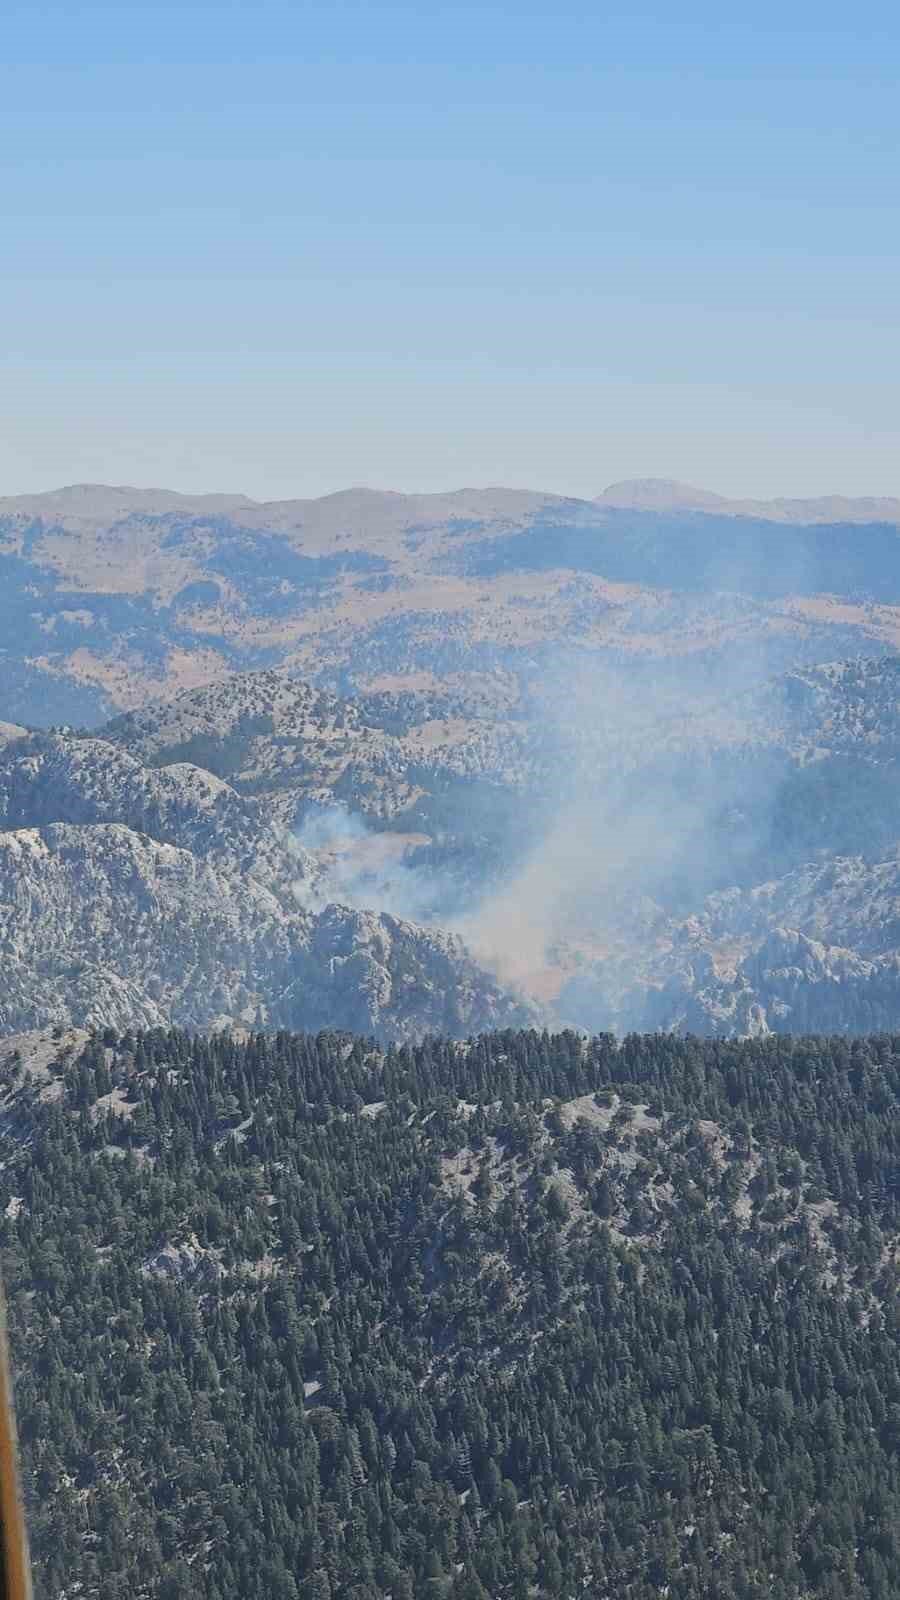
(647,793)
(358,866)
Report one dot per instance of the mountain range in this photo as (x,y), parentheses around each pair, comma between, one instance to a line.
(261,852)
(440,763)
(112,596)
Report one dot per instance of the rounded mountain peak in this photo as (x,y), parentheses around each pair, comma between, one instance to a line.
(658,494)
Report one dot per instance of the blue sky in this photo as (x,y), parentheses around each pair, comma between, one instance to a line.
(285,248)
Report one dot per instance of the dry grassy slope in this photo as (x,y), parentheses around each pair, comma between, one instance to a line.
(113,540)
(38,1051)
(141,593)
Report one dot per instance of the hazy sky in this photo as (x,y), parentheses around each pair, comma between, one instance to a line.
(285,247)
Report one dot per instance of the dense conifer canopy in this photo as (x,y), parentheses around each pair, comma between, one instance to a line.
(528,1317)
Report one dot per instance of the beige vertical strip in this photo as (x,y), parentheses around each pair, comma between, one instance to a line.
(16,1567)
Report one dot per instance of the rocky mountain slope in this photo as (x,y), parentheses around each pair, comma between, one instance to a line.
(132,895)
(272,735)
(743,875)
(803,929)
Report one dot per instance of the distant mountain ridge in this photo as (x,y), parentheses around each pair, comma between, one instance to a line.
(82,501)
(112,596)
(667,494)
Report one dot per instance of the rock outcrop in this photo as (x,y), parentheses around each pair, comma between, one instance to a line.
(133,896)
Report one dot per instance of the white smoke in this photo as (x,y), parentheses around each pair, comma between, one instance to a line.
(659,793)
(357,865)
(656,790)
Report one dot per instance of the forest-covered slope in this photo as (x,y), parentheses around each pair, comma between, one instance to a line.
(527,1317)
